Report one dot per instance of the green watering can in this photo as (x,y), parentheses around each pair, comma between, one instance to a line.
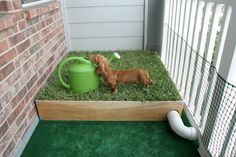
(82,75)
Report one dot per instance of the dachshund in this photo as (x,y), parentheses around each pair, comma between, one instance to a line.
(114,77)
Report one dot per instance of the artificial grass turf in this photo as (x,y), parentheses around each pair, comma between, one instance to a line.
(162,90)
(107,139)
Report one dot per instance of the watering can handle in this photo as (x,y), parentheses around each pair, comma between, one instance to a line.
(80,59)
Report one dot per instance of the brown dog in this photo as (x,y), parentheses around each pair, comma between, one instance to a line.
(114,77)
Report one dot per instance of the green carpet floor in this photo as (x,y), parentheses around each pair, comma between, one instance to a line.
(107,139)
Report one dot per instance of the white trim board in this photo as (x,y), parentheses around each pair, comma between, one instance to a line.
(25,139)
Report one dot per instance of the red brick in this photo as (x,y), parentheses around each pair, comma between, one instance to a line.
(36,47)
(35,38)
(22,58)
(31,93)
(16,39)
(17,4)
(14,77)
(6,98)
(22,25)
(26,76)
(3,46)
(8,136)
(8,56)
(44,23)
(28,66)
(8,32)
(10,94)
(39,54)
(6,6)
(5,141)
(23,114)
(50,60)
(16,112)
(32,112)
(42,69)
(9,148)
(4,113)
(18,16)
(39,63)
(20,132)
(23,46)
(7,70)
(18,97)
(61,55)
(9,22)
(32,81)
(2,24)
(31,30)
(32,21)
(46,31)
(3,87)
(3,129)
(42,79)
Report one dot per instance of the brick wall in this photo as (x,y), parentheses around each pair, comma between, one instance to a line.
(31,44)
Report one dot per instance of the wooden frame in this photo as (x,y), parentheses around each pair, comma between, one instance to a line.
(107,110)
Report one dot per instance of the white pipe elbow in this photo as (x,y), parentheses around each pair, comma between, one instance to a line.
(179,128)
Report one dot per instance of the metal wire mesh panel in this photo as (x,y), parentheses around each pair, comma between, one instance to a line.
(211,100)
(197,41)
(220,126)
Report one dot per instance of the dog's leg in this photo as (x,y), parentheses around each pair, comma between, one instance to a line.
(102,68)
(147,81)
(98,71)
(113,87)
(150,82)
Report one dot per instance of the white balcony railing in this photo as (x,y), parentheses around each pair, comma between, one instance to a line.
(199,52)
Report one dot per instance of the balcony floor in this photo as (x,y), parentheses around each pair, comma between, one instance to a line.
(116,139)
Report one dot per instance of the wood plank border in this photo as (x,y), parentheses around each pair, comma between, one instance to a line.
(107,110)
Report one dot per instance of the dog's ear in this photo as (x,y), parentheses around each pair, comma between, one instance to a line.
(96,59)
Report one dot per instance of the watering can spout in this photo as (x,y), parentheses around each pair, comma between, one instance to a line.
(114,56)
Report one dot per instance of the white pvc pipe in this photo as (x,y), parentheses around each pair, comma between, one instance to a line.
(179,128)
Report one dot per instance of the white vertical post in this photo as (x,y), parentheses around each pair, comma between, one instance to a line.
(176,52)
(182,26)
(179,39)
(66,27)
(192,33)
(198,26)
(232,70)
(182,68)
(145,24)
(170,34)
(202,51)
(195,46)
(210,44)
(192,21)
(165,32)
(173,36)
(226,63)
